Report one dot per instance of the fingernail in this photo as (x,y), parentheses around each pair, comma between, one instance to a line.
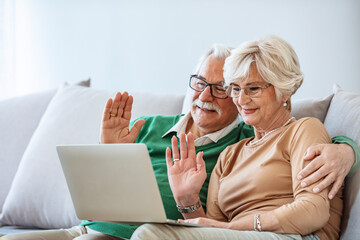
(299,177)
(331,197)
(316,190)
(303,184)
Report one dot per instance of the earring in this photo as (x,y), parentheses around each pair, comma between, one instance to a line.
(285,104)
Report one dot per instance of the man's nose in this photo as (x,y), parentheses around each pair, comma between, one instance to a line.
(205,95)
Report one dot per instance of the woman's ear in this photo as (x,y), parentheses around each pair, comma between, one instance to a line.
(284,99)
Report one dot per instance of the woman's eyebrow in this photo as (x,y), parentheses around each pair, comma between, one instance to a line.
(249,84)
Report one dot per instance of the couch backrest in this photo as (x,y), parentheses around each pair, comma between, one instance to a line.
(343,118)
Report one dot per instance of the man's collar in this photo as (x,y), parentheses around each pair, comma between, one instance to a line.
(181,125)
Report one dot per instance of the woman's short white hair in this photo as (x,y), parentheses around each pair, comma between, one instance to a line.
(275,60)
(218,51)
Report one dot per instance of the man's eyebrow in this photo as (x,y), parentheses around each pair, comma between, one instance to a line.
(203,78)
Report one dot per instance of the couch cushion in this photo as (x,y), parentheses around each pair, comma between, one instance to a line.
(18,120)
(343,118)
(15,229)
(20,117)
(316,107)
(39,196)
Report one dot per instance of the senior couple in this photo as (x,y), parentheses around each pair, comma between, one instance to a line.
(269,177)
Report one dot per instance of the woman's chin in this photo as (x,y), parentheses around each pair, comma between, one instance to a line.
(249,121)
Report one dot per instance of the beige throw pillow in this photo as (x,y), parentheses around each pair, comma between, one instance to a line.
(18,120)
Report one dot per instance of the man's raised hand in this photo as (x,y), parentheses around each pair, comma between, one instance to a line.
(116,120)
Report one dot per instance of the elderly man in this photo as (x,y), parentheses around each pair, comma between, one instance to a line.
(214,122)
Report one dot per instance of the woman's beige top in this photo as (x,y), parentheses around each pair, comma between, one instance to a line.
(249,180)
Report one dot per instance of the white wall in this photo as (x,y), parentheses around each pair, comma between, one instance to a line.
(143,45)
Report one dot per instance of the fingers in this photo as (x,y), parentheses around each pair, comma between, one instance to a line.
(169,162)
(183,147)
(313,151)
(107,109)
(175,149)
(200,163)
(115,105)
(327,181)
(191,146)
(335,188)
(187,149)
(128,106)
(134,132)
(315,174)
(327,166)
(310,168)
(121,105)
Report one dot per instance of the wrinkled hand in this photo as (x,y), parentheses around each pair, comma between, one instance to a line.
(329,161)
(116,120)
(186,175)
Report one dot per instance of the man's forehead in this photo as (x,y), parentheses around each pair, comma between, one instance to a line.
(212,69)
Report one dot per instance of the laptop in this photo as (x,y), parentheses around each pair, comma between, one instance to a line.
(113,183)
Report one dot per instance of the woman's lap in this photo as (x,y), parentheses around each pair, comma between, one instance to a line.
(165,231)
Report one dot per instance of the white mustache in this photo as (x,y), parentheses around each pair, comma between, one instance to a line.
(206,105)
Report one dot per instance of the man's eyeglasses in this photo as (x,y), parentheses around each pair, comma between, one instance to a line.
(198,84)
(253,91)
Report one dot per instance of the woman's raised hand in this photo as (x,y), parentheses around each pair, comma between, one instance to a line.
(116,120)
(186,170)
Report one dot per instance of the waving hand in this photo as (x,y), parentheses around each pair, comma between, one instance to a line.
(116,120)
(186,172)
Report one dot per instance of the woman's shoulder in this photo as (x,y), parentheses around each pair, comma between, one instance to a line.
(308,122)
(308,126)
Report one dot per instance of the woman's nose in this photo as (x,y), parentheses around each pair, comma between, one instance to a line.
(243,98)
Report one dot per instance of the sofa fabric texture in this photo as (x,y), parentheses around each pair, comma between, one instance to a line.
(31,126)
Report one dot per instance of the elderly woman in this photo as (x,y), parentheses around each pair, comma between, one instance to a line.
(253,187)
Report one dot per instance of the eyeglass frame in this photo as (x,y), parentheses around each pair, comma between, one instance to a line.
(206,85)
(246,89)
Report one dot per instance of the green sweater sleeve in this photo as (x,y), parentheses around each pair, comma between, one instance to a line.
(355,147)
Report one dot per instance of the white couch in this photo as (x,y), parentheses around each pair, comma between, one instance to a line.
(33,191)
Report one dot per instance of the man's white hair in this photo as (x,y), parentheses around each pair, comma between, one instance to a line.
(275,60)
(218,51)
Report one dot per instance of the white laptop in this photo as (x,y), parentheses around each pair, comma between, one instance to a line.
(113,183)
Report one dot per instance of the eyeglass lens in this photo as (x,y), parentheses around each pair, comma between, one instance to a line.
(217,90)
